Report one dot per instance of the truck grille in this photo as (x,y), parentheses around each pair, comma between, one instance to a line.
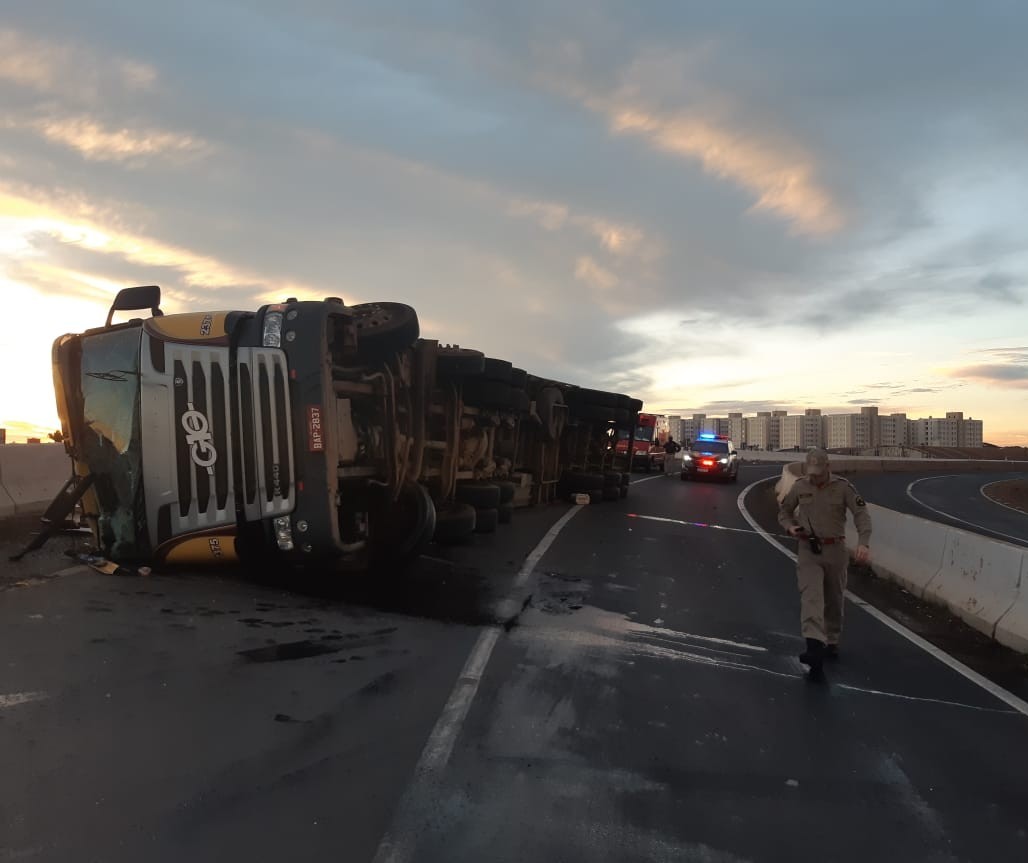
(204,478)
(265,432)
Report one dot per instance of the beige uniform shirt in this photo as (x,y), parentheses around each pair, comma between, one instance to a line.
(823,508)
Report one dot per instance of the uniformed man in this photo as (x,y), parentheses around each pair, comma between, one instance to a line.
(671,448)
(814,511)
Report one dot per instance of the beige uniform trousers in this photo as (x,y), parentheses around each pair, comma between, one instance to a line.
(822,583)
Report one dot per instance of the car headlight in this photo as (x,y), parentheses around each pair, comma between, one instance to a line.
(272,330)
(284,530)
(686,457)
(723,461)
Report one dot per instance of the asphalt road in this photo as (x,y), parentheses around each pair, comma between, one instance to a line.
(646,705)
(955,499)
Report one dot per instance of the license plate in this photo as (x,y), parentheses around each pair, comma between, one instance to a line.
(701,470)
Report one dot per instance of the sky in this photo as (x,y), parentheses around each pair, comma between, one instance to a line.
(709,206)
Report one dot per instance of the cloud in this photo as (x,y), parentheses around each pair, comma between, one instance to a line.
(69,70)
(588,271)
(995,374)
(97,142)
(782,182)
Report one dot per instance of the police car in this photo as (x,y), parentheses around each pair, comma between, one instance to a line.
(712,456)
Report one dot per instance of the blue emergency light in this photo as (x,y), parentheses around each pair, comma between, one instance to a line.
(707,436)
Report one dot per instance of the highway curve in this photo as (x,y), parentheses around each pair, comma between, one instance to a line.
(955,500)
(645,706)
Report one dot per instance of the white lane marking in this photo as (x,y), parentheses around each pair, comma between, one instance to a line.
(902,697)
(981,491)
(400,841)
(645,479)
(698,524)
(16,698)
(1020,540)
(993,689)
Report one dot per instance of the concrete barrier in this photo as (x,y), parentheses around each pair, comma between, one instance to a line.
(31,475)
(983,581)
(1012,627)
(904,548)
(979,579)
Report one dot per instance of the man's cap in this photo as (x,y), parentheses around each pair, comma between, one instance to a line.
(817,458)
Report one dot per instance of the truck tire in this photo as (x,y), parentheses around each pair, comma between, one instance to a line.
(623,491)
(507,492)
(498,370)
(593,413)
(454,522)
(459,362)
(596,496)
(575,481)
(480,495)
(518,378)
(486,520)
(626,478)
(384,328)
(611,480)
(635,405)
(506,512)
(519,401)
(612,492)
(400,530)
(595,397)
(487,394)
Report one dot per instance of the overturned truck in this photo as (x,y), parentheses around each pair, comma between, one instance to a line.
(313,433)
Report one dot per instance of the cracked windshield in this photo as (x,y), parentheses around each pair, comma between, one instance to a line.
(561,431)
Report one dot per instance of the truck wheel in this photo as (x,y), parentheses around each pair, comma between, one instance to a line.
(623,491)
(400,530)
(384,328)
(595,397)
(582,482)
(480,495)
(592,412)
(519,401)
(486,520)
(459,362)
(596,496)
(498,370)
(612,492)
(487,394)
(507,491)
(506,512)
(454,522)
(626,478)
(611,480)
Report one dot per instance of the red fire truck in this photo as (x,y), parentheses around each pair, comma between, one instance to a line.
(651,434)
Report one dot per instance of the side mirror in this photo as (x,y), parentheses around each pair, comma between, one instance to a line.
(129,299)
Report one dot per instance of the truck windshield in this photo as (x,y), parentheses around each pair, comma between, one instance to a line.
(109,439)
(644,433)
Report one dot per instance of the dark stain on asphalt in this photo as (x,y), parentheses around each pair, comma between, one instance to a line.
(288,651)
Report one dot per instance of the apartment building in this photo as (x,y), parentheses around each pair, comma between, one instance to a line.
(866,430)
(952,431)
(737,429)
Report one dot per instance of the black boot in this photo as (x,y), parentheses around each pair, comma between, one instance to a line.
(814,656)
(832,652)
